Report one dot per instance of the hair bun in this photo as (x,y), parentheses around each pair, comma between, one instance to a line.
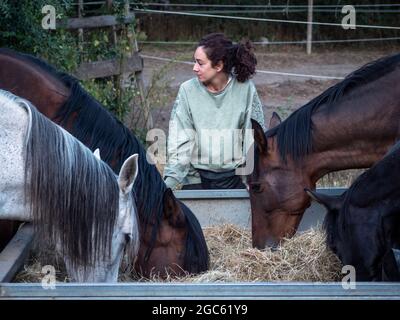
(237,58)
(247,45)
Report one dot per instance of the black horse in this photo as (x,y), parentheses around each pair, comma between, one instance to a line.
(363,224)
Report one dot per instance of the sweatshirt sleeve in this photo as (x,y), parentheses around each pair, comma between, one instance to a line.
(254,111)
(180,143)
(257,110)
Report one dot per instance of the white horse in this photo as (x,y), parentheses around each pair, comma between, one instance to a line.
(74,199)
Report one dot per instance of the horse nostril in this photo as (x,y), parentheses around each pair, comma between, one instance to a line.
(271,244)
(274,248)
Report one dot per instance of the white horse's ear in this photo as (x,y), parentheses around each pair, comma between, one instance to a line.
(128,174)
(96,153)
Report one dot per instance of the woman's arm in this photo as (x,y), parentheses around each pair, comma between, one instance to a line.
(254,111)
(181,139)
(257,112)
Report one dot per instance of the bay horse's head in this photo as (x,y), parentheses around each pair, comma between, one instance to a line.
(61,98)
(276,189)
(178,247)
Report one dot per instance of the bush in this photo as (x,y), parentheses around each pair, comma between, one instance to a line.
(21,26)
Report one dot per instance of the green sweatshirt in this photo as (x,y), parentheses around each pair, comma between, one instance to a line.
(206,130)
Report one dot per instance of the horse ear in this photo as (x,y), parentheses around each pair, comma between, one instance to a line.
(172,210)
(259,136)
(96,153)
(275,120)
(128,174)
(332,203)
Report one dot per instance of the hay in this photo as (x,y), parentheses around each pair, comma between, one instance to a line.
(232,259)
(302,258)
(34,270)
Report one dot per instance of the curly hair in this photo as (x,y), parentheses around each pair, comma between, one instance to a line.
(238,59)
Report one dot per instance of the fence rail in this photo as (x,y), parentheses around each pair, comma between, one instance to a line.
(94,22)
(106,68)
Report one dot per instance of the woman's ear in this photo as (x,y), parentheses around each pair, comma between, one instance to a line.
(219,66)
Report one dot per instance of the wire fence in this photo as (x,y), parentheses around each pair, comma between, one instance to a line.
(280,73)
(267,43)
(267,8)
(241,5)
(260,19)
(259,5)
(284,9)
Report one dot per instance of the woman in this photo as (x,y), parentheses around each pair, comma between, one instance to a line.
(216,105)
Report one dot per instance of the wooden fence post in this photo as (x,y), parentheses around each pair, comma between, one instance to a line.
(309,26)
(80,30)
(138,77)
(131,63)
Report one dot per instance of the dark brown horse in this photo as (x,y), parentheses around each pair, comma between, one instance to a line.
(351,125)
(363,224)
(171,236)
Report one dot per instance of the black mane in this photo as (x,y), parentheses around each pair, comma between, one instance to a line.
(196,255)
(294,135)
(96,127)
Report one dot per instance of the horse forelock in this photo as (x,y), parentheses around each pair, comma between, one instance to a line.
(72,196)
(132,247)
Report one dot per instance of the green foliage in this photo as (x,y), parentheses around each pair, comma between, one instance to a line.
(109,95)
(21,27)
(21,30)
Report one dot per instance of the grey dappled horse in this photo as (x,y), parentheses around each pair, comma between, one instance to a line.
(74,199)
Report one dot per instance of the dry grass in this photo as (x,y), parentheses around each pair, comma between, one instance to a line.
(302,258)
(33,270)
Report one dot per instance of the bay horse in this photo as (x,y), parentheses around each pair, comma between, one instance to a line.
(351,125)
(171,237)
(363,224)
(76,202)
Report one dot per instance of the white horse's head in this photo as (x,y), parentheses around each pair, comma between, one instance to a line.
(74,199)
(125,238)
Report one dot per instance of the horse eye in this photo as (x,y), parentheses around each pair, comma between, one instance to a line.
(256,188)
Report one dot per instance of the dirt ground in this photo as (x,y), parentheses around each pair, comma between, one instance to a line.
(280,93)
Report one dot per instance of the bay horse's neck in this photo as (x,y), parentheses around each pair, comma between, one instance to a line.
(26,80)
(357,131)
(49,94)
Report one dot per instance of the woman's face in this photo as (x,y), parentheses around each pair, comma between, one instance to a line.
(203,68)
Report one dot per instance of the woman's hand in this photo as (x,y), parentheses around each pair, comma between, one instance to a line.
(171,183)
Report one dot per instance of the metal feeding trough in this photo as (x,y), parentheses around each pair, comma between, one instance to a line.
(212,207)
